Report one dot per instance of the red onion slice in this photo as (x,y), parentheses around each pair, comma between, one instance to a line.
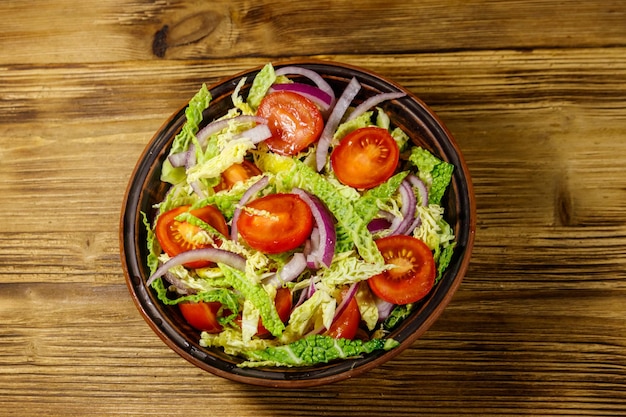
(311,248)
(317,79)
(181,286)
(290,271)
(386,215)
(373,101)
(185,159)
(416,223)
(326,228)
(178,159)
(256,134)
(378,224)
(250,192)
(347,297)
(421,189)
(197,188)
(191,157)
(217,125)
(384,308)
(303,297)
(311,290)
(204,254)
(423,193)
(315,94)
(306,293)
(349,93)
(400,225)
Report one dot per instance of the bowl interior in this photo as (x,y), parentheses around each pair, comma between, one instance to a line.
(145,189)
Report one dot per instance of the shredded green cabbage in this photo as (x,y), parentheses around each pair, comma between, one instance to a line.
(187,135)
(255,293)
(244,299)
(433,171)
(354,225)
(262,82)
(313,350)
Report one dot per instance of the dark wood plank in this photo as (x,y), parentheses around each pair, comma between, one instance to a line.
(47,31)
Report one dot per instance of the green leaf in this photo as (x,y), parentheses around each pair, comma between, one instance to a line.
(348,269)
(233,152)
(193,114)
(368,205)
(316,311)
(191,219)
(437,234)
(262,82)
(226,201)
(314,349)
(443,260)
(398,314)
(254,292)
(442,174)
(348,127)
(152,244)
(436,173)
(228,299)
(401,138)
(343,210)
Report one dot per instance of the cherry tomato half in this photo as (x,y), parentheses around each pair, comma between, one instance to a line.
(365,158)
(283,303)
(413,275)
(176,237)
(236,173)
(294,120)
(275,223)
(202,315)
(347,324)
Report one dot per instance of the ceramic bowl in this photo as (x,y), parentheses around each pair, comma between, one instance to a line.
(145,189)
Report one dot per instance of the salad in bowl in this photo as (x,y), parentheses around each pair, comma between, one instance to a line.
(300,226)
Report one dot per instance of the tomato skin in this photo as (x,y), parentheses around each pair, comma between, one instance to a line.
(365,157)
(236,173)
(346,325)
(202,315)
(277,223)
(283,303)
(414,274)
(173,236)
(294,120)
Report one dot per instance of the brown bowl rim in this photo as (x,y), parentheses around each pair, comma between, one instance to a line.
(192,352)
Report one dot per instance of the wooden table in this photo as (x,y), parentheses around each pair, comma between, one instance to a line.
(533,91)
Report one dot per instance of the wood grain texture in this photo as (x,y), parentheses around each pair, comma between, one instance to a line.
(533,91)
(118,30)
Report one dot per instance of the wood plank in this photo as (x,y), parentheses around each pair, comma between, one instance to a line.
(110,30)
(67,363)
(541,124)
(537,328)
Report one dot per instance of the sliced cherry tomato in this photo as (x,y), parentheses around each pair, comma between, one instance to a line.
(347,324)
(283,303)
(202,316)
(294,120)
(176,237)
(236,173)
(365,158)
(413,275)
(275,223)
